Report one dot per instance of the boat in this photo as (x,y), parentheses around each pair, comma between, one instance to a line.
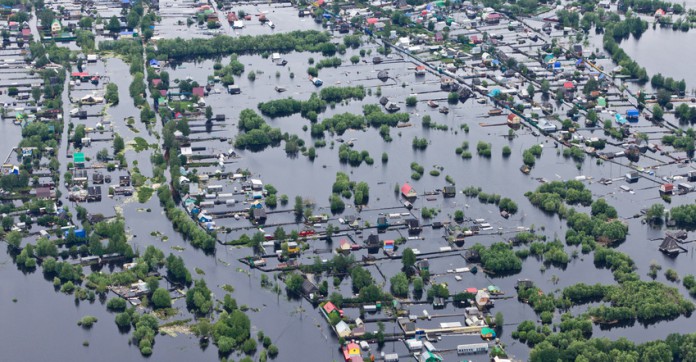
(280,89)
(432,104)
(443,110)
(392,107)
(495,112)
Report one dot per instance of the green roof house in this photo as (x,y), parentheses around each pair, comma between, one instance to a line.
(79,159)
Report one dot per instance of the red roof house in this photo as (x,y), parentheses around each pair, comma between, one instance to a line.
(569,85)
(351,350)
(330,308)
(407,191)
(666,188)
(198,91)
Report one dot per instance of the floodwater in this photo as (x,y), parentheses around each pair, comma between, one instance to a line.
(661,51)
(294,326)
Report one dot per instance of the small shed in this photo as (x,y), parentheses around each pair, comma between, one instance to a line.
(666,189)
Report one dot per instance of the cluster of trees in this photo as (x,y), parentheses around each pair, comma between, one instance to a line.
(649,6)
(339,94)
(573,343)
(619,56)
(550,196)
(685,114)
(681,141)
(506,204)
(182,223)
(551,252)
(499,258)
(339,124)
(111,95)
(287,107)
(352,41)
(353,157)
(675,86)
(577,154)
(257,135)
(313,41)
(621,265)
(227,73)
(530,155)
(375,117)
(684,215)
(332,62)
(346,188)
(199,298)
(645,301)
(599,226)
(233,331)
(419,143)
(484,149)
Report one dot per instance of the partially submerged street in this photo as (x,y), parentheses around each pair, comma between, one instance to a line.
(338,181)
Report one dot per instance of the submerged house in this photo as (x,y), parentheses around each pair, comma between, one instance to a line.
(414,226)
(670,246)
(632,115)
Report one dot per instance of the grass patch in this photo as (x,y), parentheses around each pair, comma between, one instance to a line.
(144,194)
(140,144)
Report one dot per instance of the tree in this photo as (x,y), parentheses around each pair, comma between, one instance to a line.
(208,113)
(663,97)
(531,90)
(14,239)
(655,213)
(111,95)
(399,285)
(116,304)
(114,25)
(293,284)
(85,22)
(408,259)
(299,207)
(7,223)
(198,298)
(123,320)
(161,299)
(658,113)
(176,270)
(411,101)
(545,87)
(119,144)
(360,278)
